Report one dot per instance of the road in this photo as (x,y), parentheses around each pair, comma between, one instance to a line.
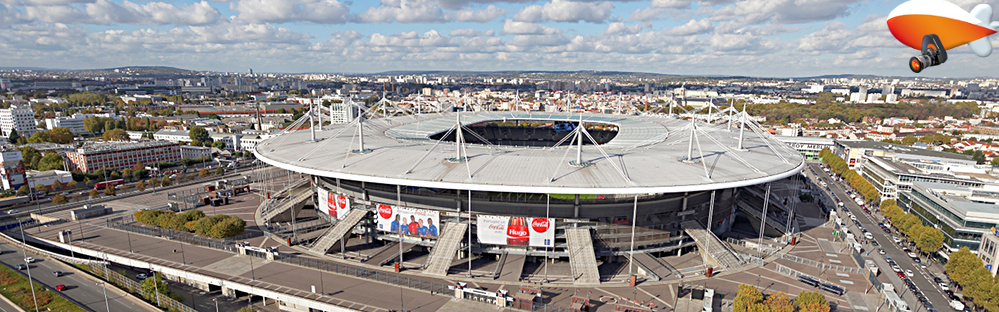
(82,289)
(923,280)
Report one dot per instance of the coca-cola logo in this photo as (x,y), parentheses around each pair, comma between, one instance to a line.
(384,211)
(341,201)
(516,233)
(539,225)
(497,227)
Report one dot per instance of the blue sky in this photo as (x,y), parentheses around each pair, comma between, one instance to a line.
(785,38)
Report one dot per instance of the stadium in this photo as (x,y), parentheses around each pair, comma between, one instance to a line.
(579,187)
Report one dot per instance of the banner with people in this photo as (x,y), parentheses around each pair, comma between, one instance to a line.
(335,205)
(408,221)
(516,231)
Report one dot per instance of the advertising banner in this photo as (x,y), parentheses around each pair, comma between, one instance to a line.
(408,221)
(335,205)
(516,231)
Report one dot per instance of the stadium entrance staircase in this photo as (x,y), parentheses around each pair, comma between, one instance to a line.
(338,232)
(654,268)
(297,200)
(712,249)
(443,252)
(582,259)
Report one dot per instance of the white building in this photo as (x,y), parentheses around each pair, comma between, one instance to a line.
(231,140)
(48,177)
(11,168)
(175,136)
(191,152)
(21,119)
(988,250)
(75,125)
(341,113)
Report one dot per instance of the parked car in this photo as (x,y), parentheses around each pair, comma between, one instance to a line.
(61,287)
(29,260)
(141,276)
(908,273)
(57,273)
(21,267)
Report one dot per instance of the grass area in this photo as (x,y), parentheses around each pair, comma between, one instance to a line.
(15,287)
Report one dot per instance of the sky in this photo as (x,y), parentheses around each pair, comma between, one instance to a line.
(762,38)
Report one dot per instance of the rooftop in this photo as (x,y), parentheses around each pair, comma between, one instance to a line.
(904,149)
(962,200)
(110,146)
(644,157)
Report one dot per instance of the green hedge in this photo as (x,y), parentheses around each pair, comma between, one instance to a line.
(195,221)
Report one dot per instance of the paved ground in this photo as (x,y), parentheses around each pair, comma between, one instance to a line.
(923,280)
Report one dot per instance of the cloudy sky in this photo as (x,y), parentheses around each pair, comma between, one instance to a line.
(783,38)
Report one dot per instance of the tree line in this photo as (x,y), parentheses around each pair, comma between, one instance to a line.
(824,109)
(749,299)
(839,166)
(217,226)
(977,283)
(928,239)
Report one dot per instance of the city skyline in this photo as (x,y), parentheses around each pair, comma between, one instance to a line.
(790,38)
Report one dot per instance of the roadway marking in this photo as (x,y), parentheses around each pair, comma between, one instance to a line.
(653,297)
(831,255)
(842,274)
(835,261)
(846,282)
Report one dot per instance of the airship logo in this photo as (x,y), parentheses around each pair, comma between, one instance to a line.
(935,26)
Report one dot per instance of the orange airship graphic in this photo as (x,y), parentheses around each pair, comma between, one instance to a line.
(935,26)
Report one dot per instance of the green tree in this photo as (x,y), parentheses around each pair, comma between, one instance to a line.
(219,145)
(165,182)
(780,302)
(110,190)
(59,199)
(23,190)
(219,171)
(41,188)
(127,173)
(141,186)
(204,172)
(60,135)
(201,135)
(39,137)
(13,138)
(153,284)
(909,140)
(810,301)
(94,194)
(230,226)
(51,161)
(30,157)
(116,135)
(930,240)
(71,184)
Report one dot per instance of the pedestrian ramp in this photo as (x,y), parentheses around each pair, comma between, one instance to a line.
(445,248)
(654,268)
(296,201)
(511,268)
(338,232)
(582,259)
(712,249)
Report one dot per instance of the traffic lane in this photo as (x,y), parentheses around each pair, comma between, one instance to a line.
(924,284)
(80,288)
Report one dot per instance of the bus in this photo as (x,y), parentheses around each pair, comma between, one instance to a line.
(101,185)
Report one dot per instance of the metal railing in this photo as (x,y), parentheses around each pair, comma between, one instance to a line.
(134,287)
(795,274)
(223,244)
(820,265)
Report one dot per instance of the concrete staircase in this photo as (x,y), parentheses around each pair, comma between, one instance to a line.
(582,259)
(712,249)
(443,252)
(654,268)
(282,206)
(338,232)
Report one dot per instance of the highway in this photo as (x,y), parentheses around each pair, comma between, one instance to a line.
(923,280)
(81,289)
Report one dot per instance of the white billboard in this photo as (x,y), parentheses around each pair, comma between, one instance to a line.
(335,205)
(516,231)
(408,221)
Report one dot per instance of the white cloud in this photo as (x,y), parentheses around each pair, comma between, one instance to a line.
(284,11)
(107,12)
(468,32)
(648,14)
(693,27)
(783,11)
(514,27)
(672,4)
(480,16)
(620,28)
(567,11)
(404,11)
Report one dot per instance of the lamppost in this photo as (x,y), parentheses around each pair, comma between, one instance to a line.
(106,304)
(216,300)
(182,254)
(27,265)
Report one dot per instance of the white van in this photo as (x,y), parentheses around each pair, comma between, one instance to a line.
(868,235)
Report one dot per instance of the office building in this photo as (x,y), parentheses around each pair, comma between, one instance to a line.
(47,178)
(75,125)
(17,118)
(962,213)
(891,176)
(120,155)
(989,250)
(11,168)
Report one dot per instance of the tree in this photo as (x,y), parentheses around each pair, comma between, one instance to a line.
(41,188)
(51,161)
(219,171)
(780,302)
(127,173)
(56,185)
(71,184)
(94,194)
(141,186)
(200,134)
(30,157)
(115,175)
(909,140)
(978,156)
(23,190)
(116,135)
(86,181)
(746,298)
(153,284)
(930,239)
(60,135)
(165,182)
(204,172)
(39,137)
(109,190)
(59,199)
(138,167)
(230,226)
(810,301)
(219,145)
(13,138)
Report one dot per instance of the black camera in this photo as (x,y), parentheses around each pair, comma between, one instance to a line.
(933,54)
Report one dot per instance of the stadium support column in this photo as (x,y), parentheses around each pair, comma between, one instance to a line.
(312,124)
(575,207)
(711,210)
(398,203)
(742,127)
(634,220)
(679,250)
(763,218)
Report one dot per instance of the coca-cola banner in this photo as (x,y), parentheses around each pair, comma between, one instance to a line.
(336,205)
(516,231)
(408,221)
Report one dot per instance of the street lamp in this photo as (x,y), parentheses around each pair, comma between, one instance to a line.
(106,304)
(216,300)
(27,265)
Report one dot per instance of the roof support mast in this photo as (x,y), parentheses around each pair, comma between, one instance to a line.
(312,124)
(742,127)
